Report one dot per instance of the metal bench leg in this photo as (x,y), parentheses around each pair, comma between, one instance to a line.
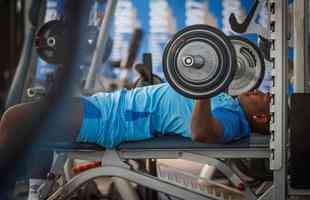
(223,168)
(125,189)
(68,169)
(115,167)
(55,172)
(268,195)
(140,178)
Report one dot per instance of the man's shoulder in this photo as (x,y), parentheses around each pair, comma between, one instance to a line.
(224,100)
(153,89)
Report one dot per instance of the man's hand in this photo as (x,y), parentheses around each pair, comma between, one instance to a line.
(204,127)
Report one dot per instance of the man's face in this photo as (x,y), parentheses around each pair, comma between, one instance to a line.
(255,102)
(256,105)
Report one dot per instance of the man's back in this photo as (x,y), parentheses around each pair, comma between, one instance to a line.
(130,115)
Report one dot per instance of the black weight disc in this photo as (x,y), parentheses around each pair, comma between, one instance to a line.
(199,61)
(50,42)
(250,66)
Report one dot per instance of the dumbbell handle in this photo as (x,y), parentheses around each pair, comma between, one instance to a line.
(196,61)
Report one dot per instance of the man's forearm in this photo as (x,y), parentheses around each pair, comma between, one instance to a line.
(204,127)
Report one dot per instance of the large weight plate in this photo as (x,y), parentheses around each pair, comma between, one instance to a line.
(50,42)
(199,61)
(250,66)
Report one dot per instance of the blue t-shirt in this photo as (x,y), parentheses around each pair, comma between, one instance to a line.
(130,115)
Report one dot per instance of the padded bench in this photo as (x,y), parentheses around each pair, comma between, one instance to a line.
(165,142)
(175,143)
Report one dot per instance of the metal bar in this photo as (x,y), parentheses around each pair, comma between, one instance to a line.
(137,177)
(299,45)
(278,126)
(16,90)
(32,8)
(13,34)
(171,154)
(268,195)
(299,192)
(101,45)
(214,153)
(223,168)
(307,42)
(125,189)
(279,104)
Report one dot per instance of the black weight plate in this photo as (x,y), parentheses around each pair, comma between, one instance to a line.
(50,42)
(250,66)
(213,61)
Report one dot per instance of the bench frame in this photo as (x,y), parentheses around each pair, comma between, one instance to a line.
(115,165)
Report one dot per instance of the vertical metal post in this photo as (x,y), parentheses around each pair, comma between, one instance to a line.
(17,86)
(307,46)
(300,46)
(278,126)
(101,44)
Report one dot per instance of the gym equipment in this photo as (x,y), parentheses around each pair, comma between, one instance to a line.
(36,92)
(145,80)
(250,66)
(254,169)
(199,61)
(101,45)
(15,93)
(145,71)
(50,42)
(115,163)
(133,48)
(173,148)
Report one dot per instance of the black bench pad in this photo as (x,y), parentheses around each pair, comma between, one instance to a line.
(167,142)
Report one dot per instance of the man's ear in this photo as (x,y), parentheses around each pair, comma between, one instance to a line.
(261,118)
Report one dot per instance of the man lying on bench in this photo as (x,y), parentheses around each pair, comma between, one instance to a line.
(109,119)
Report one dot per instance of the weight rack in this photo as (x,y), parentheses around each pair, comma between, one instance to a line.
(278,125)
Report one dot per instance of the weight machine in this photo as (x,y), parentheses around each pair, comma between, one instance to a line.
(170,147)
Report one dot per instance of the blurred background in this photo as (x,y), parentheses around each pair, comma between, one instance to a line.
(151,22)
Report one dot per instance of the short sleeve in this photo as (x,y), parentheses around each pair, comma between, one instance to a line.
(230,122)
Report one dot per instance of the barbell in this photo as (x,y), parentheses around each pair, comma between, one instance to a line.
(200,61)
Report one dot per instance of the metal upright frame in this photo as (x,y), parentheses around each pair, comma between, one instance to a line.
(278,125)
(301,42)
(101,44)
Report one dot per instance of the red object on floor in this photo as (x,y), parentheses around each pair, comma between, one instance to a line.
(86,166)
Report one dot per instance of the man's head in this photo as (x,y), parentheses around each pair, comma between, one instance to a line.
(256,105)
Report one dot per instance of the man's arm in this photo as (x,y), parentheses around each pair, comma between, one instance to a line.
(204,127)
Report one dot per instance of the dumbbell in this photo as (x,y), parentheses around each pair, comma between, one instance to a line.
(200,61)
